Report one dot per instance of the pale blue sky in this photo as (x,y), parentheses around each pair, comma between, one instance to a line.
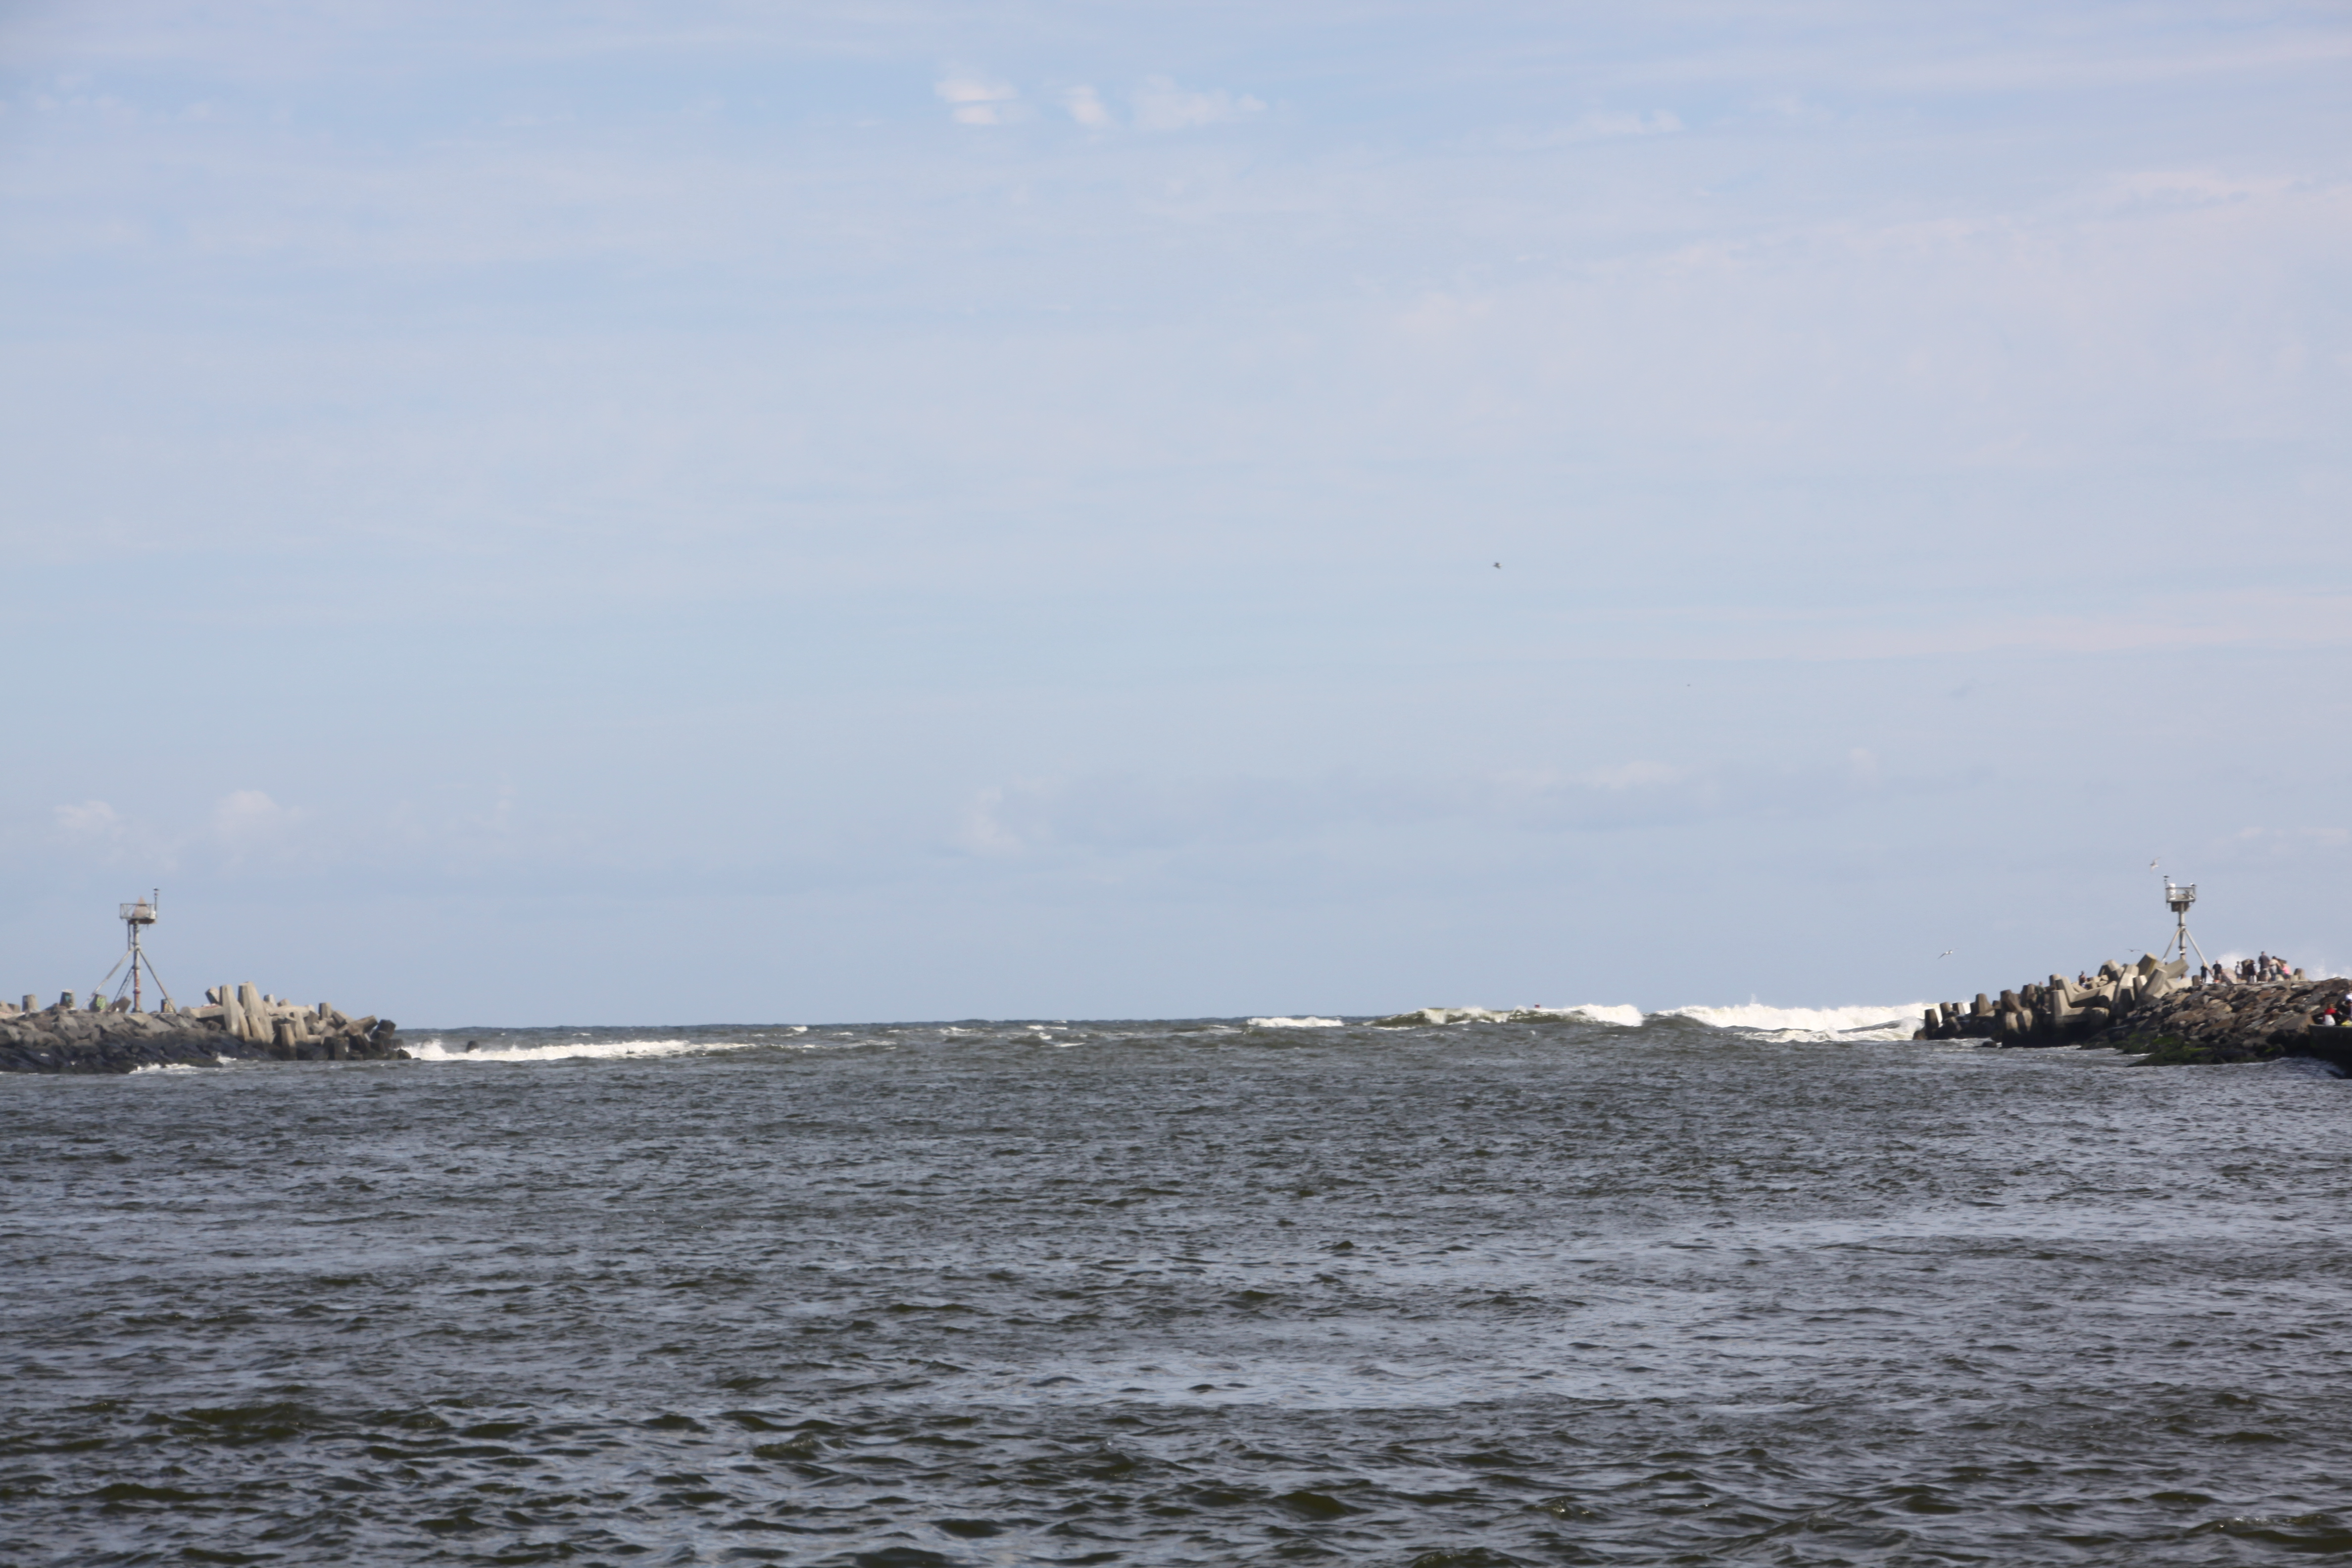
(852,512)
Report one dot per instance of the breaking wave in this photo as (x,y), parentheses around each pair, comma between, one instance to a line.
(1864,1021)
(1623,1015)
(441,1049)
(1893,1022)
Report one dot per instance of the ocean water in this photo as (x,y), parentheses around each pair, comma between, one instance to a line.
(1718,1285)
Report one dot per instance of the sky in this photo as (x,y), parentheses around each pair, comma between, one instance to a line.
(691,512)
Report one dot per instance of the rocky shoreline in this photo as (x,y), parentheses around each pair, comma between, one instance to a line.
(2154,1011)
(238,1023)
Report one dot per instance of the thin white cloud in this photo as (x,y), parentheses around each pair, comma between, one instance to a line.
(980,100)
(1116,814)
(1162,105)
(1598,125)
(1632,776)
(2192,188)
(1613,123)
(94,828)
(981,828)
(92,822)
(246,819)
(1086,107)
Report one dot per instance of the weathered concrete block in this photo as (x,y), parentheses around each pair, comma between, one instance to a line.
(256,1011)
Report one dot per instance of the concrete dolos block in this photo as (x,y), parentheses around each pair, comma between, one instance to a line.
(256,1011)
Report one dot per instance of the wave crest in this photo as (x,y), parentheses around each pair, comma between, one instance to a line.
(1859,1021)
(1589,1012)
(439,1048)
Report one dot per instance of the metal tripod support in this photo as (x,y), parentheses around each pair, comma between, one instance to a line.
(135,917)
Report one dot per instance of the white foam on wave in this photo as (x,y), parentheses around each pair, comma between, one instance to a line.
(1622,1016)
(439,1050)
(1861,1022)
(169,1067)
(1297,1023)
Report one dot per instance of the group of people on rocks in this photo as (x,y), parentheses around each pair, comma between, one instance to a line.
(2248,970)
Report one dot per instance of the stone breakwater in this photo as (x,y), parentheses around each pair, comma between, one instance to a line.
(2154,1011)
(236,1023)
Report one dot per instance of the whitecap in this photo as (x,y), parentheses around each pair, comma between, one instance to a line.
(438,1050)
(1858,1022)
(1623,1015)
(166,1066)
(1308,1023)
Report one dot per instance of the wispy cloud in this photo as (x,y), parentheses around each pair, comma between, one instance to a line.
(248,820)
(1596,125)
(92,822)
(1614,123)
(1162,105)
(980,100)
(1086,107)
(1120,813)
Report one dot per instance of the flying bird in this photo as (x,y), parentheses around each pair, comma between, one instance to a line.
(1499,567)
(1947,954)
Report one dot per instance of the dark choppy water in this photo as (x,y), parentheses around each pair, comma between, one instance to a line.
(1155,1293)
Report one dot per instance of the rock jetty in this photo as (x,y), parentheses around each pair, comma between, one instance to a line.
(236,1023)
(2154,1011)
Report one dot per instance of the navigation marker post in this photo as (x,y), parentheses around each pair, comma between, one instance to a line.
(135,917)
(2177,896)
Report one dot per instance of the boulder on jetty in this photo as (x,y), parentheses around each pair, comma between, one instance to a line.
(2154,1010)
(236,1023)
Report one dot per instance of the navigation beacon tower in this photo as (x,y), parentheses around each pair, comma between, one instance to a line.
(134,918)
(2177,896)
